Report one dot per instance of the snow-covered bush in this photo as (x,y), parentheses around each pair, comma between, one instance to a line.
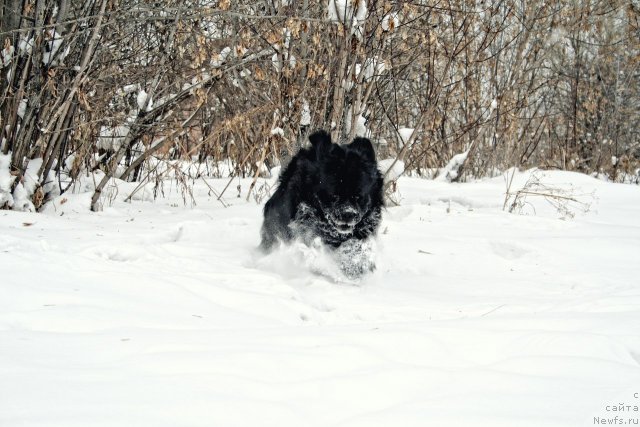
(6,181)
(119,88)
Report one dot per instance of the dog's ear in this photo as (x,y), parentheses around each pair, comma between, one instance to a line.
(364,147)
(320,138)
(321,144)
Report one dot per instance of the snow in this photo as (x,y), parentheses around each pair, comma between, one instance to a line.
(277,131)
(305,115)
(276,61)
(30,178)
(450,171)
(22,108)
(156,314)
(144,101)
(50,55)
(112,137)
(397,168)
(69,161)
(292,62)
(287,37)
(23,192)
(348,13)
(221,57)
(7,55)
(6,180)
(405,134)
(360,125)
(131,88)
(372,67)
(25,45)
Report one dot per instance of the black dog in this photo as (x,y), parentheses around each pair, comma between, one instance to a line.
(328,191)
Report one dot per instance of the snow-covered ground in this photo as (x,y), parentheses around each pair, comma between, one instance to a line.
(155,314)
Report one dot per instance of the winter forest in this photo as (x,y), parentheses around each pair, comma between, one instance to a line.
(133,89)
(490,163)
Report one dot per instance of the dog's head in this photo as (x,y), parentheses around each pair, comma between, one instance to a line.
(348,183)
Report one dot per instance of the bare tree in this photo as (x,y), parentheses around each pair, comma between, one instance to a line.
(115,88)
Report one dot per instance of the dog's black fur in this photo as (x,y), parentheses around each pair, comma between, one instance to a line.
(330,191)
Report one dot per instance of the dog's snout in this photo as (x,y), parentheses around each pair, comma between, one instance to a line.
(349,215)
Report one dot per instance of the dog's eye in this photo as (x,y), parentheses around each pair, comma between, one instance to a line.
(361,200)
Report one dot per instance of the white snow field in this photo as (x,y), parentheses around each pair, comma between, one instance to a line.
(152,313)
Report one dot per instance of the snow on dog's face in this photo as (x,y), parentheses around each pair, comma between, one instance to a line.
(346,177)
